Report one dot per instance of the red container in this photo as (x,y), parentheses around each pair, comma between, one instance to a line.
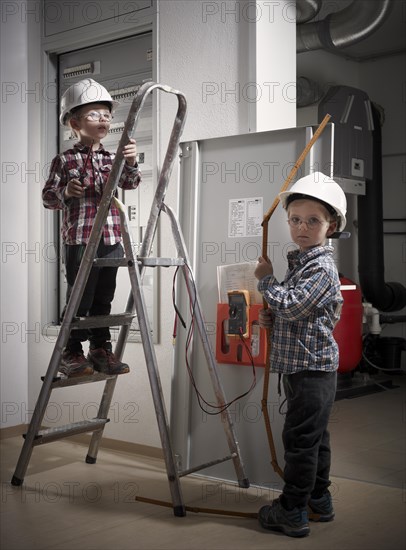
(348,331)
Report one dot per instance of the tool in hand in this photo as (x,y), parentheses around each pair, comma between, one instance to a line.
(82,176)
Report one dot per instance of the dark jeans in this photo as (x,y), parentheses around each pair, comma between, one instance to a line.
(310,397)
(98,293)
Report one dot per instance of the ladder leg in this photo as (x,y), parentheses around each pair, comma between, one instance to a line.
(25,456)
(160,411)
(41,405)
(104,407)
(136,300)
(217,386)
(122,339)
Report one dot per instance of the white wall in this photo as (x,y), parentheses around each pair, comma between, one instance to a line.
(14,192)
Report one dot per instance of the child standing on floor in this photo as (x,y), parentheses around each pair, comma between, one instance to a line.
(303,311)
(75,186)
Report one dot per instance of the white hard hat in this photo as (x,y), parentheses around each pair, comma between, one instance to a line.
(323,188)
(83,92)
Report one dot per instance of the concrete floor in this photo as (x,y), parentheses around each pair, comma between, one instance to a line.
(65,503)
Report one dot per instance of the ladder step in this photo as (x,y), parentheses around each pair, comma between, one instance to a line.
(207,465)
(160,262)
(112,262)
(147,262)
(114,320)
(53,434)
(64,381)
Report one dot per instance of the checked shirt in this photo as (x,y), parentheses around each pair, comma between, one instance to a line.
(306,307)
(79,213)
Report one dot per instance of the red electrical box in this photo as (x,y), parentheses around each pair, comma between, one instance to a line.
(236,349)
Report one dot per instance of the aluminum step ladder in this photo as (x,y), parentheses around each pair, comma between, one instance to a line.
(135,307)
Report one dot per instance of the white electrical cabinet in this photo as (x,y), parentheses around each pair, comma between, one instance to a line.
(65,15)
(226,186)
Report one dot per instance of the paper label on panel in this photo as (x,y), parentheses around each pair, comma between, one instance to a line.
(245,217)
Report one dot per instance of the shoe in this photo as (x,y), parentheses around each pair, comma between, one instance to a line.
(321,509)
(293,523)
(104,360)
(73,364)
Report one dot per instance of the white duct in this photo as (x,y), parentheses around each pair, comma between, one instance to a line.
(342,28)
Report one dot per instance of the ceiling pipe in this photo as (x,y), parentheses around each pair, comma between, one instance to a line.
(306,10)
(308,91)
(343,28)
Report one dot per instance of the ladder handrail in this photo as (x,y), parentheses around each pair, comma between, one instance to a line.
(167,165)
(163,181)
(112,184)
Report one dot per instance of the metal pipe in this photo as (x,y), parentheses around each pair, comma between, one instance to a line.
(343,28)
(306,10)
(384,296)
(392,319)
(308,92)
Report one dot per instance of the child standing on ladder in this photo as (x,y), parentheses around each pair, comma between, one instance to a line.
(302,313)
(75,186)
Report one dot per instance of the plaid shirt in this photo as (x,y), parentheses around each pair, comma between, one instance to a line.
(306,308)
(79,214)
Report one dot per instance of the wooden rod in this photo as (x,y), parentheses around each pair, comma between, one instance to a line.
(297,165)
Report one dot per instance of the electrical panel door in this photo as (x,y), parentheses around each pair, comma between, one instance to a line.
(226,186)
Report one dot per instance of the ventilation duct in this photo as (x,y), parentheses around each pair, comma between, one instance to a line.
(384,296)
(358,169)
(308,92)
(342,28)
(306,10)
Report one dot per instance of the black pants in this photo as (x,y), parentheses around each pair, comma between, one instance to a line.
(98,293)
(310,397)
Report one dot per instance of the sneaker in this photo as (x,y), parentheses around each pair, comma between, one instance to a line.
(104,360)
(321,509)
(293,523)
(73,364)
